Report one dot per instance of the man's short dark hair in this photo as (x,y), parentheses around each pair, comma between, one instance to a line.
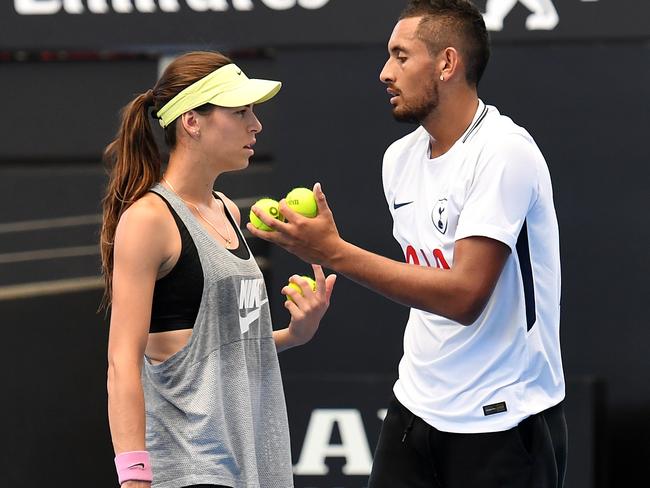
(456,23)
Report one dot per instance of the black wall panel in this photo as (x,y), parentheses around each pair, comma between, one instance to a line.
(66,110)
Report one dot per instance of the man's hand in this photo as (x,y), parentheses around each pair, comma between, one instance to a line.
(314,240)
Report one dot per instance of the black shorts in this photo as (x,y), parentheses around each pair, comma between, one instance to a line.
(410,453)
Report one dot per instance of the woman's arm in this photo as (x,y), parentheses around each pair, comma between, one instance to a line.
(141,244)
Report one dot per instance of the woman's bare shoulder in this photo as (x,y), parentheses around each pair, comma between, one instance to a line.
(147,222)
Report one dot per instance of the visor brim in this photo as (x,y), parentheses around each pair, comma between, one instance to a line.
(250,91)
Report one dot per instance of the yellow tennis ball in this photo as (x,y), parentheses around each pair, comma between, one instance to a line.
(295,286)
(302,200)
(269,206)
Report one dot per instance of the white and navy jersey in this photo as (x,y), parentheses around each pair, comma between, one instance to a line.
(506,366)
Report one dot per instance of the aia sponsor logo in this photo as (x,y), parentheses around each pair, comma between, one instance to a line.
(436,257)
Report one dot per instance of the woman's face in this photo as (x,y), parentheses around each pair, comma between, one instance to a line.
(228,136)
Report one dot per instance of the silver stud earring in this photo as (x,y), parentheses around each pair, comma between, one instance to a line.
(442,78)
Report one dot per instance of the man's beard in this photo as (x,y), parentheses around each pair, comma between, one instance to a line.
(420,109)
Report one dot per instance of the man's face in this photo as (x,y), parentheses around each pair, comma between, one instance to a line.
(409,74)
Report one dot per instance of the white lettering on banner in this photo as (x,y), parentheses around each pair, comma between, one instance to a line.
(32,7)
(287,4)
(169,5)
(204,5)
(73,6)
(354,443)
(145,5)
(37,7)
(313,4)
(543,15)
(122,6)
(98,6)
(279,4)
(242,4)
(52,7)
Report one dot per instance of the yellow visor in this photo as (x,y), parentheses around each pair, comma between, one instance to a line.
(226,87)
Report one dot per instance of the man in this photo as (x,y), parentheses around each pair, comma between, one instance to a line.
(478,399)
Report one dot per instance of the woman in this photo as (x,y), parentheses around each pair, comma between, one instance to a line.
(194,388)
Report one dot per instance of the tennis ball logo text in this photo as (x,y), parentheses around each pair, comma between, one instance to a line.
(52,7)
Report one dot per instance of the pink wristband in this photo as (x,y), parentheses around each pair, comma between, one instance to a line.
(133,466)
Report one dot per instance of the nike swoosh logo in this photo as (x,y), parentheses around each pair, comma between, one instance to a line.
(252,316)
(398,205)
(238,72)
(138,465)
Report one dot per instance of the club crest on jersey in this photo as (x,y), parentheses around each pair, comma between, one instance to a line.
(439,215)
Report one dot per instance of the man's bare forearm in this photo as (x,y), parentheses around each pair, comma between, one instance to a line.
(433,290)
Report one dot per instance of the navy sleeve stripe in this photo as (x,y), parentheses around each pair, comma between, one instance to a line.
(523,252)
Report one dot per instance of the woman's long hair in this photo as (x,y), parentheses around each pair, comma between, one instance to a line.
(133,158)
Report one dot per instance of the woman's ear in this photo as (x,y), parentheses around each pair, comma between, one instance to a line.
(190,124)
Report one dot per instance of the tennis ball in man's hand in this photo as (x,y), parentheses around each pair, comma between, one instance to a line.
(302,201)
(269,206)
(295,286)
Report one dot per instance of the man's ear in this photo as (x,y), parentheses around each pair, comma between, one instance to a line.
(448,63)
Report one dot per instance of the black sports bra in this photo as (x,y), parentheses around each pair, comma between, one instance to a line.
(177,295)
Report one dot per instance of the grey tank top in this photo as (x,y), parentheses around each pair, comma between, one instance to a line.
(215,410)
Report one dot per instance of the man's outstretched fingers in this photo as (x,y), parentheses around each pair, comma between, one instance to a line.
(321,201)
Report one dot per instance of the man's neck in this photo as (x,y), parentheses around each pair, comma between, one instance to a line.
(450,120)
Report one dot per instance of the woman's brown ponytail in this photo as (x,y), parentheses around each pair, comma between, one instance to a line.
(136,166)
